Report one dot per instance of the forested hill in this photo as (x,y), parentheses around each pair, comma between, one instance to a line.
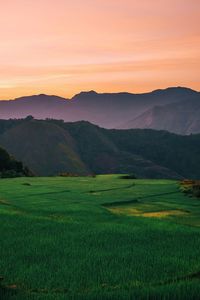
(10,167)
(50,147)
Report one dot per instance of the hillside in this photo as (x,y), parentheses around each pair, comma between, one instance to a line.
(108,110)
(182,117)
(46,148)
(51,147)
(176,152)
(10,167)
(103,155)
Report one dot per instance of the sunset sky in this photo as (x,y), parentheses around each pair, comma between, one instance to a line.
(63,47)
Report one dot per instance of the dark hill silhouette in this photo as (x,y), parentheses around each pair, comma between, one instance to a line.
(113,110)
(51,147)
(10,167)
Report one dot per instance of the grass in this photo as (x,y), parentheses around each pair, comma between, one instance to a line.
(76,238)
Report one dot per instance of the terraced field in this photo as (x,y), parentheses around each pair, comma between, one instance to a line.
(98,238)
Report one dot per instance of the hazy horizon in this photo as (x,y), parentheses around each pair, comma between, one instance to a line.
(102,92)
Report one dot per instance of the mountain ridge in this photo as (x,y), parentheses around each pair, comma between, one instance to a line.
(93,92)
(108,110)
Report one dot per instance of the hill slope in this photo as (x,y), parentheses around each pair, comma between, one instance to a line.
(182,117)
(103,155)
(46,148)
(10,167)
(51,147)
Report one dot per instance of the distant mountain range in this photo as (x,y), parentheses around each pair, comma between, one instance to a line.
(50,147)
(181,117)
(174,109)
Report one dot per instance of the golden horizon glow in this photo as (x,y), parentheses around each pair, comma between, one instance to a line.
(63,47)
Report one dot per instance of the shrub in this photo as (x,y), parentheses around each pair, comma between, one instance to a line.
(191,187)
(129,176)
(67,174)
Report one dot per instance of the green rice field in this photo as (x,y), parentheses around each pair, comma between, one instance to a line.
(98,238)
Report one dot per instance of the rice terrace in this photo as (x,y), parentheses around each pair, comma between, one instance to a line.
(102,237)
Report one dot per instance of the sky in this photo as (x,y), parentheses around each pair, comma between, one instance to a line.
(63,47)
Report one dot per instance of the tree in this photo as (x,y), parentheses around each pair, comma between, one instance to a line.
(29,118)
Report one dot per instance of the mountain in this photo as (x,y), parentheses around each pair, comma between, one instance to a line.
(50,147)
(40,106)
(181,117)
(112,110)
